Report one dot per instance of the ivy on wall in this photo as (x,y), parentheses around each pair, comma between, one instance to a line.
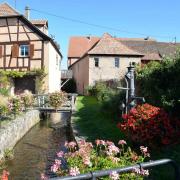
(6,77)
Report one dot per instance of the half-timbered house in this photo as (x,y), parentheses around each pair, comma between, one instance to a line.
(25,46)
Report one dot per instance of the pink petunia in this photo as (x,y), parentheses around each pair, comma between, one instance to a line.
(122,142)
(60,154)
(74,171)
(114,175)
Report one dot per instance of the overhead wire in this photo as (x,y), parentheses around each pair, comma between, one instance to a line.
(100,26)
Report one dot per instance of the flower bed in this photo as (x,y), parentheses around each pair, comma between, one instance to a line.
(84,157)
(150,125)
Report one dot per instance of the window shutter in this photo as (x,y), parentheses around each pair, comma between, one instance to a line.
(1,53)
(15,51)
(31,50)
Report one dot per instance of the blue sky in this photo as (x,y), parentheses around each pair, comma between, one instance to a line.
(154,18)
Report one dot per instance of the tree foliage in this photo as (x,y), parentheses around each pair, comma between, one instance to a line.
(159,83)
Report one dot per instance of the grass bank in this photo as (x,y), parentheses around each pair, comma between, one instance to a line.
(92,124)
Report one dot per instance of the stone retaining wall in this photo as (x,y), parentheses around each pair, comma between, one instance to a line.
(16,129)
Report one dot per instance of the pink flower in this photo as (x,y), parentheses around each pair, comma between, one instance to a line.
(109,143)
(144,150)
(112,149)
(86,161)
(44,177)
(141,171)
(54,168)
(97,142)
(137,170)
(122,142)
(114,159)
(72,144)
(74,171)
(114,175)
(60,154)
(100,142)
(57,162)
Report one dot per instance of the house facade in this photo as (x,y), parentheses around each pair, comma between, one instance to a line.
(92,58)
(25,46)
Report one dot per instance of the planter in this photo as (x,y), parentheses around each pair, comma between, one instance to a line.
(55,117)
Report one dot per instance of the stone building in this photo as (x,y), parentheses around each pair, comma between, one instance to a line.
(92,58)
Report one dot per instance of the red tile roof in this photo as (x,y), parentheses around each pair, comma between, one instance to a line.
(150,48)
(7,10)
(152,56)
(108,45)
(78,46)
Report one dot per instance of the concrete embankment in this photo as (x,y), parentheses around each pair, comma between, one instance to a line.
(14,130)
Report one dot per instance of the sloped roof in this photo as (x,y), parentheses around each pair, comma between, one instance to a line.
(78,46)
(39,22)
(152,56)
(108,45)
(152,47)
(7,10)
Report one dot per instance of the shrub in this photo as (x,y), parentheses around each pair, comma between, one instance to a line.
(104,155)
(159,83)
(27,99)
(3,106)
(149,125)
(56,99)
(15,105)
(4,91)
(113,102)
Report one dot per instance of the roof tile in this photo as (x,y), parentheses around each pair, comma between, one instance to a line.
(109,45)
(7,10)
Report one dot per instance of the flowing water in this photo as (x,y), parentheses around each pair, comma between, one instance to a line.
(35,152)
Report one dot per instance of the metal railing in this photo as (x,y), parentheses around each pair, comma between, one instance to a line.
(145,165)
(42,101)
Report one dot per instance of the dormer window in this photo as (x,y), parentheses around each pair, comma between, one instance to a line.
(24,50)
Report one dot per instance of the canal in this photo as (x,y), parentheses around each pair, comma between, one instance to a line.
(35,152)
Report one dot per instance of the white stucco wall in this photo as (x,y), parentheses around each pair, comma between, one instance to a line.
(54,66)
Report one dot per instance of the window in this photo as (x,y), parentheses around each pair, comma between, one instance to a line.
(96,62)
(116,62)
(24,50)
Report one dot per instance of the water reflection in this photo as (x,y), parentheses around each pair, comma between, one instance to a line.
(35,152)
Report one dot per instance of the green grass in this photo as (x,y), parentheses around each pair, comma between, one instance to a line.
(93,124)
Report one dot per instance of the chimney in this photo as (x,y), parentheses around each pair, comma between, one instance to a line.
(27,12)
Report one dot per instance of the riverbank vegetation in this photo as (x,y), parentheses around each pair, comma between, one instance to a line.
(155,123)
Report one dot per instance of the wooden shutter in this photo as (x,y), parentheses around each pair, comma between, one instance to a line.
(15,51)
(1,53)
(31,50)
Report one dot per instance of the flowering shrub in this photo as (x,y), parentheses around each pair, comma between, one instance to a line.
(16,105)
(84,157)
(56,99)
(27,99)
(149,124)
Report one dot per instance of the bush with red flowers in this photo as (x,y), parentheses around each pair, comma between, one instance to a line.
(150,125)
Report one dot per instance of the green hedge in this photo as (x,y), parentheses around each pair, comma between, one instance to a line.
(159,83)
